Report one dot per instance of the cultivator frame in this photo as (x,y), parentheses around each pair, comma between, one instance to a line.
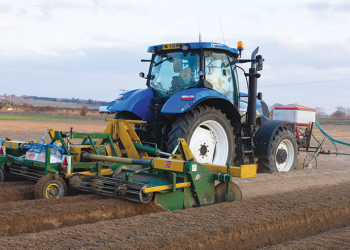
(115,163)
(304,133)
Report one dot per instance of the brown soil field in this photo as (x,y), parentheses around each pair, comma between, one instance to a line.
(34,130)
(301,209)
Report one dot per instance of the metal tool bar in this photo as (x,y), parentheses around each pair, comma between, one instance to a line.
(87,156)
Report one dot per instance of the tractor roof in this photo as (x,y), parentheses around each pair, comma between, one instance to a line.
(202,45)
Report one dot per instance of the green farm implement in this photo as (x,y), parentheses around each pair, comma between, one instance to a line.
(116,163)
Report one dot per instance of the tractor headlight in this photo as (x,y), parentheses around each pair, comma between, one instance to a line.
(185,47)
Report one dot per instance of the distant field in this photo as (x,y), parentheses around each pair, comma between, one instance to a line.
(51,103)
(334,121)
(44,118)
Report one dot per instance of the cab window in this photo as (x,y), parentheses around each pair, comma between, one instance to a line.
(218,72)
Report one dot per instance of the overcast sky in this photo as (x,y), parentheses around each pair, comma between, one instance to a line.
(92,49)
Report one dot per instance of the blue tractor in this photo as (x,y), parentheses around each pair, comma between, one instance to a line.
(193,93)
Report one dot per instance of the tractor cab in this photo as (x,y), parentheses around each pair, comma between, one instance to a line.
(186,80)
(176,67)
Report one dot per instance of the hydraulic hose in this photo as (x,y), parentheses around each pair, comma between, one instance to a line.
(331,138)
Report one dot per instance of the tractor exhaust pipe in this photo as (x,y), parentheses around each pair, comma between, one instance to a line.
(252,92)
(253,76)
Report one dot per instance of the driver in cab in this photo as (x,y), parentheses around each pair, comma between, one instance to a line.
(188,73)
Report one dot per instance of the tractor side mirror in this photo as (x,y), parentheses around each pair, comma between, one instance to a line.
(226,72)
(259,60)
(142,75)
(259,96)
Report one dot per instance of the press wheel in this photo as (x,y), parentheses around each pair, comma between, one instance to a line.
(310,161)
(49,187)
(221,192)
(2,175)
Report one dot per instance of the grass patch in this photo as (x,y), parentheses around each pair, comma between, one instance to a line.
(334,121)
(43,118)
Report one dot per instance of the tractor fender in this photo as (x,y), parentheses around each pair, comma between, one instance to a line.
(178,105)
(264,136)
(135,101)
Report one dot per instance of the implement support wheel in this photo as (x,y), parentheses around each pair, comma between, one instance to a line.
(221,192)
(48,187)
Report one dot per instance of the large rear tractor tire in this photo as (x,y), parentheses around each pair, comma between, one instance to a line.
(48,187)
(283,153)
(208,133)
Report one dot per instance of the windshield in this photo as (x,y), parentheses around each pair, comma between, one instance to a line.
(174,71)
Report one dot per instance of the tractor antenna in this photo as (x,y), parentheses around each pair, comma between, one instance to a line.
(199,26)
(222,31)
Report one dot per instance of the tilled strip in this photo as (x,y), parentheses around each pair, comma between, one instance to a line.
(333,239)
(38,215)
(239,225)
(16,191)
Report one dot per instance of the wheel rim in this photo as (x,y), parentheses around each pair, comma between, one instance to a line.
(53,191)
(209,143)
(284,156)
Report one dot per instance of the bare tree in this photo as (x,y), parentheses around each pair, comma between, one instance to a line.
(27,107)
(5,103)
(320,112)
(340,112)
(84,110)
(348,112)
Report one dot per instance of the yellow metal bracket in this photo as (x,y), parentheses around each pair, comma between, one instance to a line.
(166,187)
(186,151)
(244,171)
(124,130)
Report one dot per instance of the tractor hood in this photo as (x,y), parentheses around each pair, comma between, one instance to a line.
(261,107)
(135,101)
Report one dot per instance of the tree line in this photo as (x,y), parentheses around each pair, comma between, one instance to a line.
(54,99)
(340,112)
(67,100)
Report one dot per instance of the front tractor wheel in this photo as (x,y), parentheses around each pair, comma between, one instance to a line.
(208,133)
(48,187)
(283,153)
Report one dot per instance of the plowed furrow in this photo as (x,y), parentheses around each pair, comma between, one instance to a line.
(16,191)
(38,215)
(333,239)
(239,225)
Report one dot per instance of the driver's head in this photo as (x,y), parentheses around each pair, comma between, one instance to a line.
(193,62)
